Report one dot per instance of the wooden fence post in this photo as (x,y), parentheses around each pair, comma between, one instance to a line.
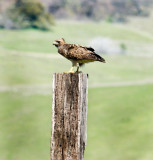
(69,116)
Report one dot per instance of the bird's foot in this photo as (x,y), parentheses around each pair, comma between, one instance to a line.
(70,72)
(78,72)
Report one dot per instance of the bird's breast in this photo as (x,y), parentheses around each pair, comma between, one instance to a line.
(62,51)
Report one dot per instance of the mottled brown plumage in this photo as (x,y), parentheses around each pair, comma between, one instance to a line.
(77,54)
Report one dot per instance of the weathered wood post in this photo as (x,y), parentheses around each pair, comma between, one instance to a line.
(69,116)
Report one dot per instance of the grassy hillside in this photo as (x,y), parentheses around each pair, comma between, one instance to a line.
(121,129)
(81,33)
(24,69)
(119,118)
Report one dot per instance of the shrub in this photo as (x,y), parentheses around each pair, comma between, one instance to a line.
(107,46)
(29,14)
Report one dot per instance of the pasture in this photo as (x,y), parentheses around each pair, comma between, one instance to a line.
(120,92)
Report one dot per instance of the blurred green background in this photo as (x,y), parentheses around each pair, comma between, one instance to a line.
(120,107)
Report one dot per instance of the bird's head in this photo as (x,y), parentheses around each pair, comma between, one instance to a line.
(59,42)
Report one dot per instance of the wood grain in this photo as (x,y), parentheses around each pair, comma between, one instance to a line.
(69,116)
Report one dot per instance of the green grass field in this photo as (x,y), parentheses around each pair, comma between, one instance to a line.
(120,118)
(81,33)
(119,124)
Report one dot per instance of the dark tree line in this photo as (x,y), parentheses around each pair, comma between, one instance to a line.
(37,13)
(115,10)
(26,14)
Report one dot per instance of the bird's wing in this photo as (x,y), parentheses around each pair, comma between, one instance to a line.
(78,52)
(89,48)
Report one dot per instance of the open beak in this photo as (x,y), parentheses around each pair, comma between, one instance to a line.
(55,43)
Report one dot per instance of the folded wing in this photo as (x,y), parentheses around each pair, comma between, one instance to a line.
(77,52)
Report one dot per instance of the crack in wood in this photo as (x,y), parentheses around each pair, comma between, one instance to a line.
(69,116)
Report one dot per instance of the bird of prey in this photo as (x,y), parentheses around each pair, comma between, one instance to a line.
(77,54)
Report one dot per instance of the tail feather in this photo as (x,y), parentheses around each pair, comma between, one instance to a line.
(99,58)
(102,60)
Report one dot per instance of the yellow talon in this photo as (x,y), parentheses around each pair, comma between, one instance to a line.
(71,70)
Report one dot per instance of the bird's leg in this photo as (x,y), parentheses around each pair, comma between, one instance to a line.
(78,66)
(71,70)
(73,65)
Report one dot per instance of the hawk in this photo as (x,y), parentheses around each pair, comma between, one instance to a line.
(77,54)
